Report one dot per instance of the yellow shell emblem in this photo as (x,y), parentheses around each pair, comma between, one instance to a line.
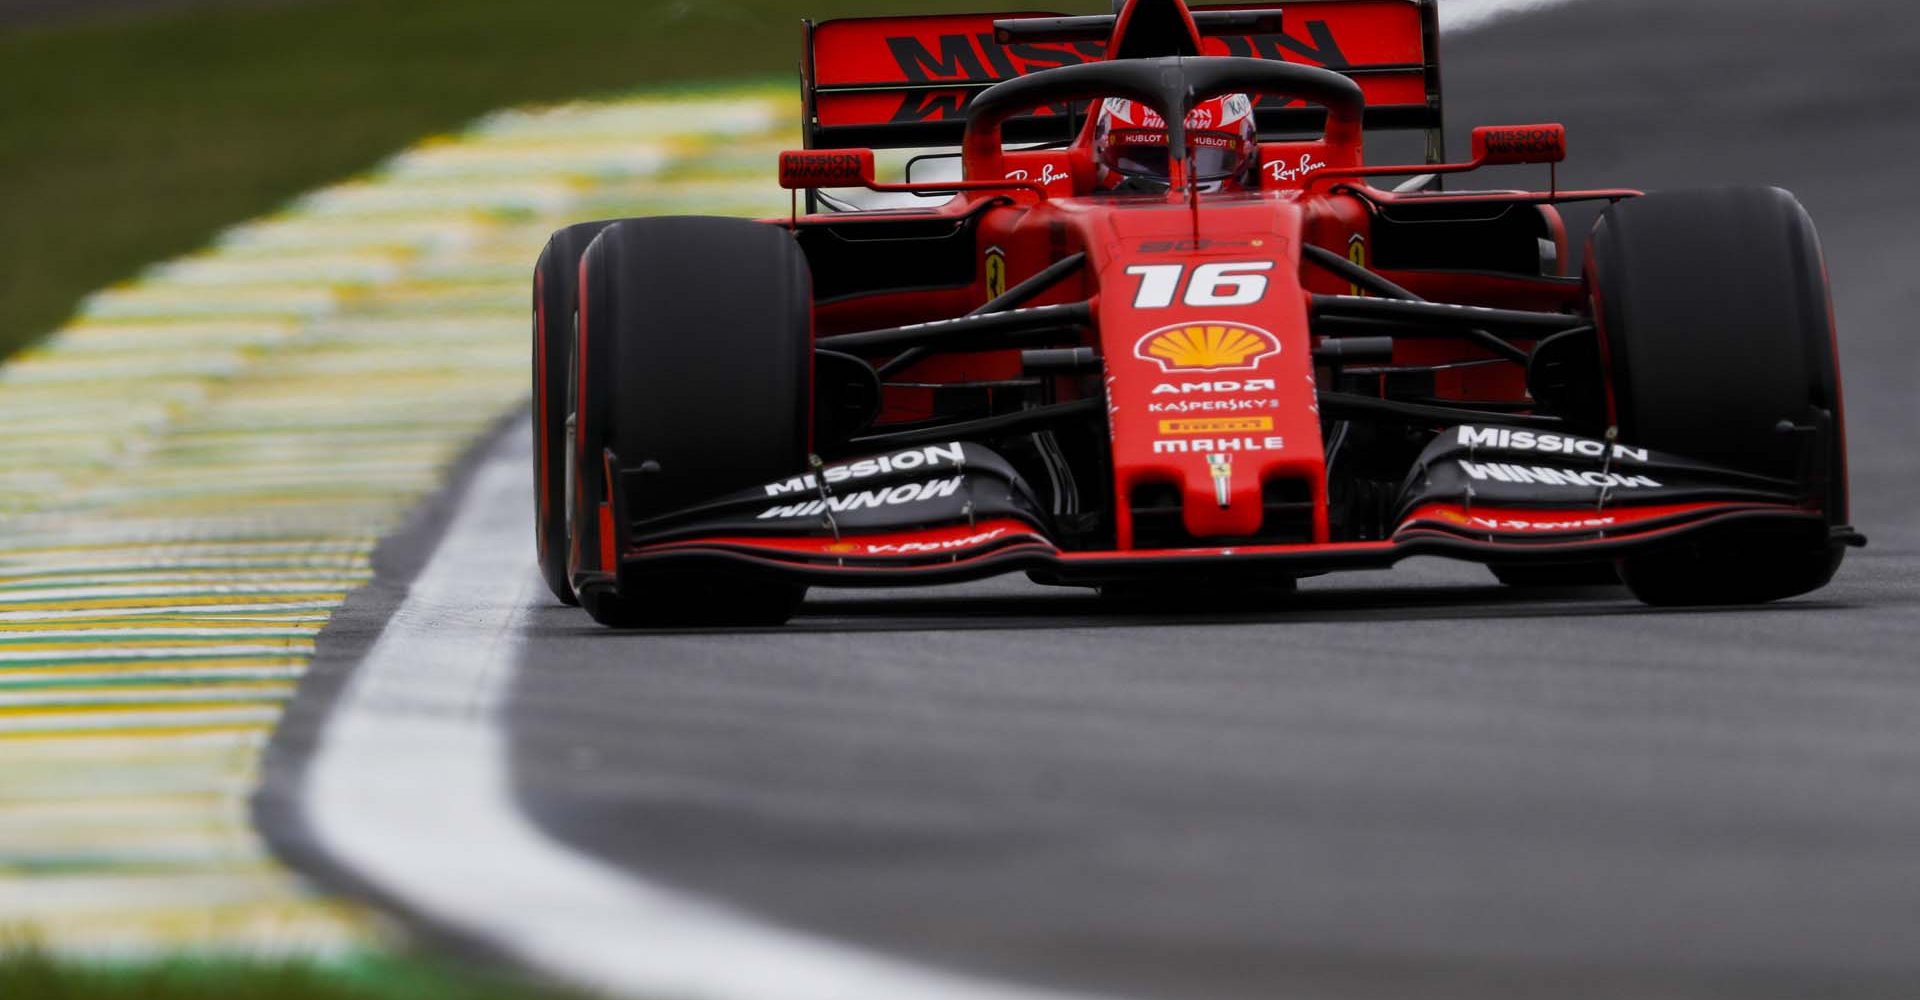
(1206,346)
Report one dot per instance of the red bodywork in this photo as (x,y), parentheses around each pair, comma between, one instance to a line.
(1202,317)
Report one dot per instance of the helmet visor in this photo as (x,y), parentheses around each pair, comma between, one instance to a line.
(1144,154)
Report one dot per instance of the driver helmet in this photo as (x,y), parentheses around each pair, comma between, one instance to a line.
(1130,145)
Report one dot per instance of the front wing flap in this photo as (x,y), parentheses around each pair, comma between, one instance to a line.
(958,511)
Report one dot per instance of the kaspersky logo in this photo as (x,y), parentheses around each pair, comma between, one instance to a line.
(1207,347)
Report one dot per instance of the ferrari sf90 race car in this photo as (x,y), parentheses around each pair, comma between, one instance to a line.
(1160,331)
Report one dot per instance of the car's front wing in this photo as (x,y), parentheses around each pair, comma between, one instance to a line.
(990,548)
(956,511)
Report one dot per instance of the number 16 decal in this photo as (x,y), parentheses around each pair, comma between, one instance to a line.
(1220,284)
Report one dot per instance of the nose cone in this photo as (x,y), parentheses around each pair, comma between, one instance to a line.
(1210,378)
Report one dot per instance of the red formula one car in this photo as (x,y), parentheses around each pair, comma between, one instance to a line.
(1161,332)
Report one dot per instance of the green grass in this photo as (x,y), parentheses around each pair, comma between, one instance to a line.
(32,975)
(127,141)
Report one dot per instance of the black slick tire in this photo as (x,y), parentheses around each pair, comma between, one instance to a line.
(694,371)
(555,277)
(1716,333)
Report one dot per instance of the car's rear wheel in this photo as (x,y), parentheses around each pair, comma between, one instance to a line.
(555,277)
(694,372)
(1716,327)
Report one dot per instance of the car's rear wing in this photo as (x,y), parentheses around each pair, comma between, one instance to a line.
(901,82)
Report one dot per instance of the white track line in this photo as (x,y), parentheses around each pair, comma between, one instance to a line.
(409,787)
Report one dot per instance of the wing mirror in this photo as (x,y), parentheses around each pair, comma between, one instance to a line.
(806,169)
(1495,145)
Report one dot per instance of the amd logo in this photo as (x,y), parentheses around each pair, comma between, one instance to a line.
(1222,385)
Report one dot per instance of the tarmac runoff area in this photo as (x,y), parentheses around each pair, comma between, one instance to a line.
(196,471)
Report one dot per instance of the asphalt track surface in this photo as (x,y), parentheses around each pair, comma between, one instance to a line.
(1404,784)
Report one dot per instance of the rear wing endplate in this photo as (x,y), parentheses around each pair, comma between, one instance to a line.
(906,82)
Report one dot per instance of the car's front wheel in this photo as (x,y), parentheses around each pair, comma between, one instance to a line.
(693,371)
(1716,327)
(555,275)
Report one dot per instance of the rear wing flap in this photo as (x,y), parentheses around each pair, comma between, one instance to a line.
(905,82)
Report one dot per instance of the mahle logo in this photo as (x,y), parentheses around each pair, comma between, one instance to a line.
(1185,347)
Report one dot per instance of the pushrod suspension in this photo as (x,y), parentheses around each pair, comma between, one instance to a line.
(1019,295)
(1440,313)
(1038,416)
(1351,406)
(1386,289)
(1013,322)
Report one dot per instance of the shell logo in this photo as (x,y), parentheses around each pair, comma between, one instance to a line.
(1207,346)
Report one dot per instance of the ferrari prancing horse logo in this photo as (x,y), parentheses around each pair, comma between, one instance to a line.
(996,268)
(1207,346)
